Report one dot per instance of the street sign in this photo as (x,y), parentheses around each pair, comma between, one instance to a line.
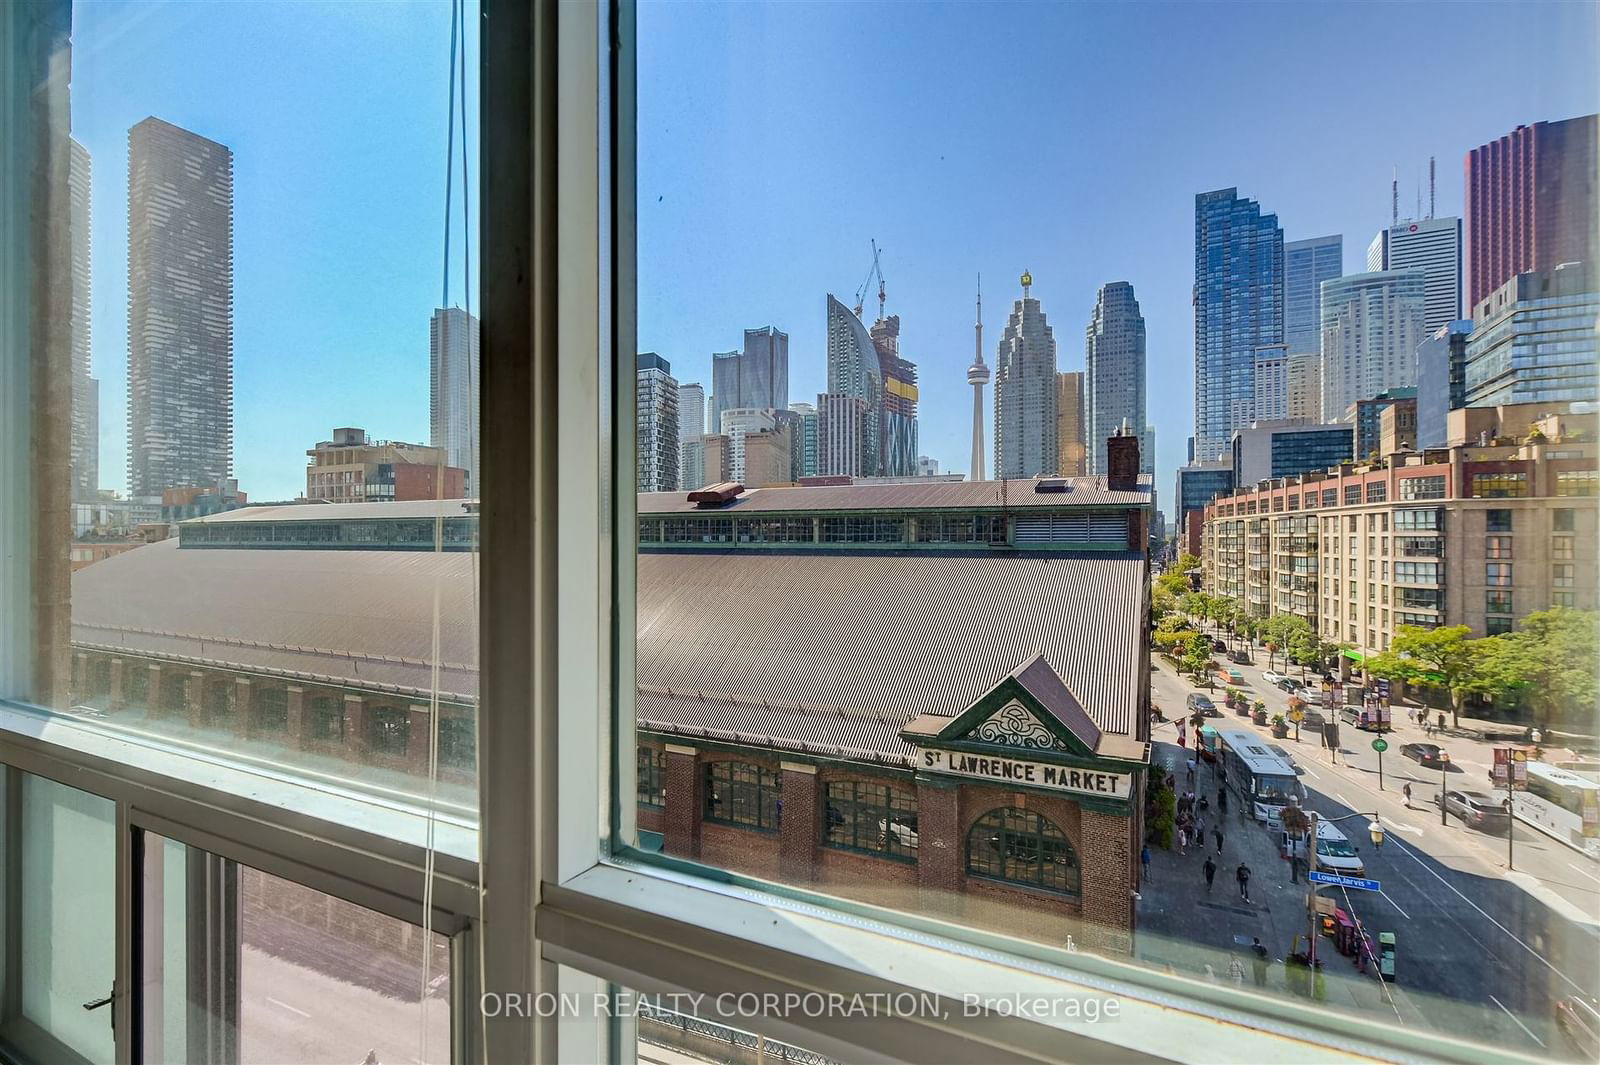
(1510,768)
(1380,745)
(1316,876)
(1297,715)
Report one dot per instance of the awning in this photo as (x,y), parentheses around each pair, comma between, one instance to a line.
(1354,656)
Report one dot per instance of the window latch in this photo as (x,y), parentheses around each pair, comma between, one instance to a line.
(97,1003)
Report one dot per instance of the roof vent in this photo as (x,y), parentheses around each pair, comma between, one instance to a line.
(716,495)
(1052,484)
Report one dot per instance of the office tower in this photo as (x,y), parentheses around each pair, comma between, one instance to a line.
(85,389)
(454,389)
(1114,376)
(180,309)
(1531,203)
(656,418)
(1306,265)
(715,459)
(1441,381)
(736,424)
(1073,456)
(1304,381)
(841,434)
(1371,326)
(1285,449)
(692,464)
(806,428)
(977,377)
(854,369)
(1272,383)
(1238,310)
(756,378)
(1025,392)
(898,446)
(1198,484)
(927,467)
(1366,415)
(691,411)
(1534,339)
(767,458)
(1432,245)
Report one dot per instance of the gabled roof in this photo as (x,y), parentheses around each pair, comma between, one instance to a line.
(1046,686)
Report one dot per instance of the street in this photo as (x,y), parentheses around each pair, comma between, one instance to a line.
(1481,952)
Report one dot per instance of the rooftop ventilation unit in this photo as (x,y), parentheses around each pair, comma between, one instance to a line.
(717,495)
(1052,484)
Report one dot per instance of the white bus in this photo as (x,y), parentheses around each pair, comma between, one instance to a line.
(1561,786)
(1259,777)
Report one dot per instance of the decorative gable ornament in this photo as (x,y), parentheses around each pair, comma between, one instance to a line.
(1014,725)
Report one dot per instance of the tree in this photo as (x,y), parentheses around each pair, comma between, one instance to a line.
(1197,654)
(1303,649)
(1550,661)
(1447,656)
(1194,604)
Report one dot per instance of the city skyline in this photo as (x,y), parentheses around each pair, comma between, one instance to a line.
(363,334)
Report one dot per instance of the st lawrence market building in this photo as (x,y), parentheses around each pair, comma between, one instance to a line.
(929,696)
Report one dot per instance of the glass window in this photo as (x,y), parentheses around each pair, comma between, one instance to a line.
(325,718)
(388,730)
(742,793)
(1430,487)
(867,816)
(1497,601)
(1377,491)
(1561,547)
(1495,626)
(652,782)
(1022,847)
(1566,599)
(1497,546)
(1577,482)
(1562,574)
(1564,519)
(1499,485)
(1430,518)
(1498,521)
(1497,574)
(863,529)
(1352,494)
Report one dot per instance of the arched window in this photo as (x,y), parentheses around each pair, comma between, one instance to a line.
(743,794)
(870,817)
(1020,847)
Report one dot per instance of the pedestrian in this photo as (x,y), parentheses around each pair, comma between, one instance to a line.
(1211,872)
(1236,970)
(1294,864)
(1222,800)
(1191,772)
(1205,804)
(1200,826)
(1144,860)
(1441,720)
(1406,791)
(1183,838)
(1242,874)
(1258,961)
(1217,833)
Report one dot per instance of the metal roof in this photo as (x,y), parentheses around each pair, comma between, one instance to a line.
(988,495)
(361,618)
(415,508)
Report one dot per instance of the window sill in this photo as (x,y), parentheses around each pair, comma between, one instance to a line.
(681,934)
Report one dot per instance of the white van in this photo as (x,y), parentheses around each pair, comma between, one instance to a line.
(1335,854)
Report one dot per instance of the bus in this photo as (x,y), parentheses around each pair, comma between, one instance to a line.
(1264,781)
(1561,786)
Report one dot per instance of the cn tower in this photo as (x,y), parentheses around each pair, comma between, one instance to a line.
(977,377)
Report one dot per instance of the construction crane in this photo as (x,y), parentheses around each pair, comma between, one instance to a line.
(876,271)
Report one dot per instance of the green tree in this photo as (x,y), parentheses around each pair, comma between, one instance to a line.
(1448,656)
(1197,654)
(1549,661)
(1304,648)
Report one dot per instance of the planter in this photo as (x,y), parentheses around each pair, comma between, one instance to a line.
(1280,732)
(1259,717)
(1241,710)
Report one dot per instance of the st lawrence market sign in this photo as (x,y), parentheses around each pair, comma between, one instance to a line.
(1024,773)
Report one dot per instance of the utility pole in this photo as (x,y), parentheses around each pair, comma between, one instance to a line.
(1511,819)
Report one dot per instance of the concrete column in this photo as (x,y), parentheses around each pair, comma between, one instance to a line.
(153,694)
(79,688)
(355,727)
(941,850)
(118,699)
(194,698)
(296,702)
(418,741)
(799,831)
(244,723)
(1106,879)
(680,825)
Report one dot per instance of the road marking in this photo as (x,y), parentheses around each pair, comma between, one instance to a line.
(1514,1017)
(1403,826)
(286,1006)
(1309,773)
(1576,869)
(1343,800)
(1407,850)
(1395,904)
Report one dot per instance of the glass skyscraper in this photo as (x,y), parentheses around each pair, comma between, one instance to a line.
(1114,375)
(1306,265)
(1238,310)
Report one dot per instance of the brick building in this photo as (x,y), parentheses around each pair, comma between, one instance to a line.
(351,468)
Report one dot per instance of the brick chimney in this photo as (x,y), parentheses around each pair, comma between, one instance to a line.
(1122,461)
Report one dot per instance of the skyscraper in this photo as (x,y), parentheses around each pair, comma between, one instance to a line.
(1441,381)
(1306,265)
(841,434)
(1304,374)
(1114,375)
(1432,245)
(1534,339)
(756,378)
(691,410)
(85,389)
(180,309)
(808,444)
(1272,383)
(977,377)
(1238,310)
(1531,203)
(1073,460)
(854,369)
(454,389)
(1371,326)
(736,425)
(656,419)
(898,447)
(1025,392)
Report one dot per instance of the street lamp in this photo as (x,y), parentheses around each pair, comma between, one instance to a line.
(1444,765)
(1374,831)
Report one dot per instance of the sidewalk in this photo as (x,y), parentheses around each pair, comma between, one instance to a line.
(1183,927)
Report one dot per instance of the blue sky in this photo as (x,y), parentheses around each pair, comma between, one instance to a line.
(775,141)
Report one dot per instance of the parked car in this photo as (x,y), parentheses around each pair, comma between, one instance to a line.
(1427,754)
(1578,1018)
(1239,658)
(1313,720)
(1203,704)
(1272,677)
(1218,644)
(1292,685)
(1483,812)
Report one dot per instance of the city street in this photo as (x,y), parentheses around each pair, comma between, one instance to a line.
(1482,952)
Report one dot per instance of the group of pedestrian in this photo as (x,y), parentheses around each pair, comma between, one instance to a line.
(1192,821)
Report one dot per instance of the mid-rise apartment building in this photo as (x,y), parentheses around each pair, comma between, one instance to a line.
(352,468)
(1470,534)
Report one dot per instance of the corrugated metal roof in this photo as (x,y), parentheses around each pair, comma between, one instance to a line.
(414,508)
(886,635)
(359,617)
(1085,492)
